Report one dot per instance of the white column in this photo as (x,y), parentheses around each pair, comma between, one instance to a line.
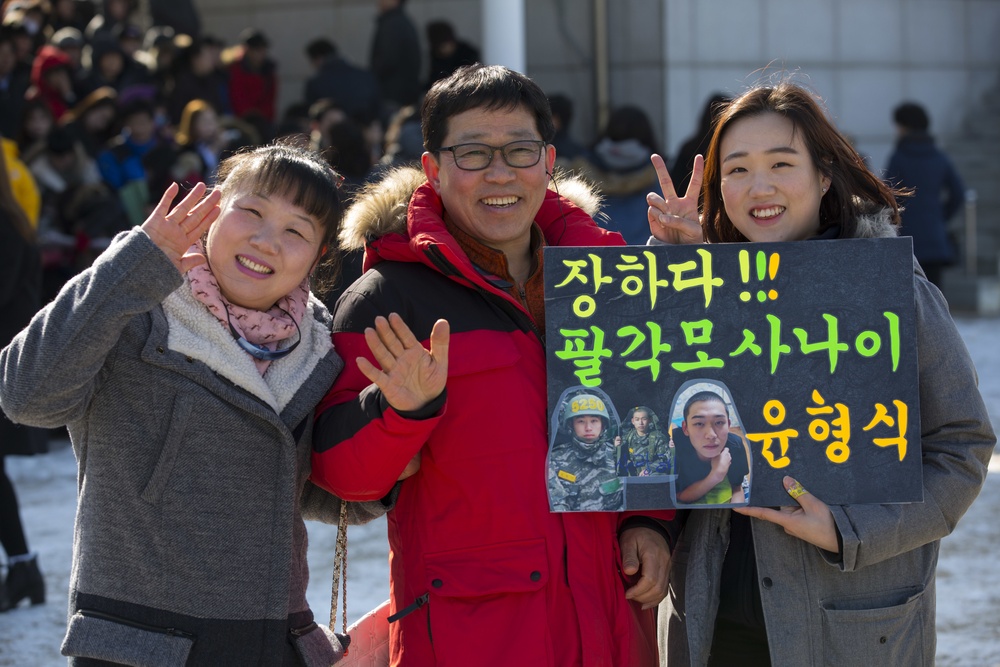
(504,34)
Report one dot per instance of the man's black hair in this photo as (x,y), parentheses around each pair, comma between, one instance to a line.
(491,87)
(911,116)
(320,48)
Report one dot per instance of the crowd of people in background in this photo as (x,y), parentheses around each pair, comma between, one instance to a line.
(103,115)
(104,103)
(116,128)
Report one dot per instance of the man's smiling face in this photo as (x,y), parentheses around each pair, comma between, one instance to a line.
(498,204)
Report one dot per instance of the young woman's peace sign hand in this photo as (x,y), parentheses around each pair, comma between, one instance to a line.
(674,219)
(174,230)
(410,376)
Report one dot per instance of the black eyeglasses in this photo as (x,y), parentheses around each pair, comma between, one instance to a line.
(260,351)
(518,154)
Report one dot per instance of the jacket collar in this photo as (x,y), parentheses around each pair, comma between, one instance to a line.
(196,333)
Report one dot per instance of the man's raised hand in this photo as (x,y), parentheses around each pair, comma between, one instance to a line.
(409,376)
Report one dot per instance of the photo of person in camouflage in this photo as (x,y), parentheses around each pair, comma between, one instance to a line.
(582,472)
(644,449)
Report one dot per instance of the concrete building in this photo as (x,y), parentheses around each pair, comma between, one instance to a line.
(668,56)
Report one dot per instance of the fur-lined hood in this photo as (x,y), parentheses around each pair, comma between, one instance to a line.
(380,208)
(877,225)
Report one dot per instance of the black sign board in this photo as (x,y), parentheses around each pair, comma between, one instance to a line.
(713,371)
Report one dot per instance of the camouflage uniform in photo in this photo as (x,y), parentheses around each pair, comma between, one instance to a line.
(649,454)
(583,476)
(582,479)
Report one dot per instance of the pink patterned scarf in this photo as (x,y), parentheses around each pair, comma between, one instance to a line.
(258,327)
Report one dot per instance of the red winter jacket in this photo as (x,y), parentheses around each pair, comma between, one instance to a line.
(489,575)
(253,92)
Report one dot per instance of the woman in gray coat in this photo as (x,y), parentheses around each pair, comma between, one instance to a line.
(811,583)
(187,368)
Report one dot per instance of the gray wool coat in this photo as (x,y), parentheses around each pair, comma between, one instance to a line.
(874,605)
(189,545)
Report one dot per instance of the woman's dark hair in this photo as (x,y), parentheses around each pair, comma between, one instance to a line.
(287,169)
(854,189)
(630,122)
(491,87)
(348,152)
(439,32)
(22,138)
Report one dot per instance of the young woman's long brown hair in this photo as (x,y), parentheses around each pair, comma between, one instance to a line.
(854,189)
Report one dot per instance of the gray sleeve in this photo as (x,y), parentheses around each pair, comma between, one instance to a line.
(322,506)
(52,368)
(957,441)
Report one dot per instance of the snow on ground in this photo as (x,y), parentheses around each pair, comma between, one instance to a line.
(968,597)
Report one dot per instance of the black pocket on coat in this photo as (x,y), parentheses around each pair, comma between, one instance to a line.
(102,636)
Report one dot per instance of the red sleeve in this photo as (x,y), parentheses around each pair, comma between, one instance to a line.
(360,444)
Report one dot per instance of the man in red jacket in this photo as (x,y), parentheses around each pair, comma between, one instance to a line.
(482,573)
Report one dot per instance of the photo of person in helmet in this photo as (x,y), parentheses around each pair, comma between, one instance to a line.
(712,463)
(644,449)
(582,472)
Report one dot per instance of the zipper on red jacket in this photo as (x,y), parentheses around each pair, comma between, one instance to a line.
(409,609)
(566,560)
(520,318)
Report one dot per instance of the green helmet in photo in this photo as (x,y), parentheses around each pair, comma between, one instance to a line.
(585,404)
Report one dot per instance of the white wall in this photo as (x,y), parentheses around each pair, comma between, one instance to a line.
(291,24)
(862,56)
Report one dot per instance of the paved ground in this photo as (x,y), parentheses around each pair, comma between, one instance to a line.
(968,596)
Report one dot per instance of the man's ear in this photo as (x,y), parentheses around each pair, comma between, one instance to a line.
(550,158)
(432,170)
(684,427)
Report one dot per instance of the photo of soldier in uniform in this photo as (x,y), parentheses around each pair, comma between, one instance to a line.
(712,459)
(582,469)
(644,449)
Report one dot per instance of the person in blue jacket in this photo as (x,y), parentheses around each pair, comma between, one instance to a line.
(919,165)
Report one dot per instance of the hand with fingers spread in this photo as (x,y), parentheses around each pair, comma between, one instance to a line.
(175,230)
(645,552)
(811,520)
(674,219)
(410,376)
